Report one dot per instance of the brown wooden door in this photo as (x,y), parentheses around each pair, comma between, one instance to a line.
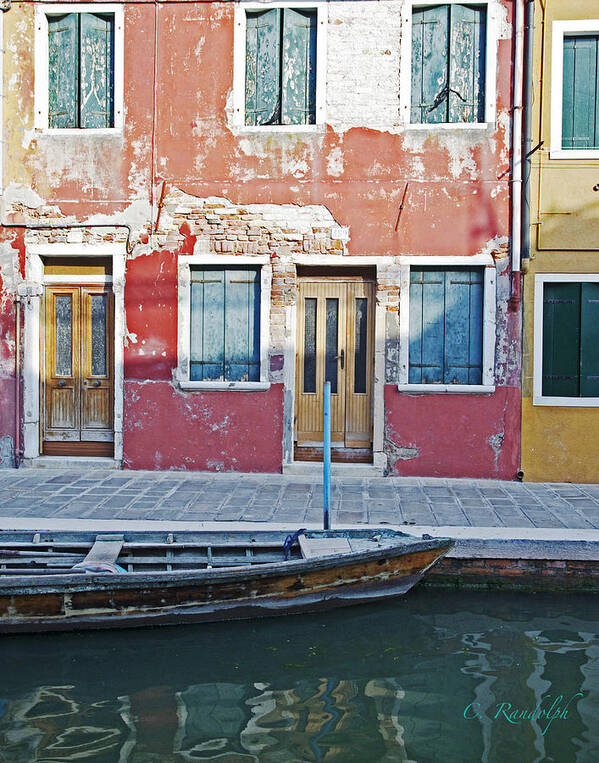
(78,386)
(335,343)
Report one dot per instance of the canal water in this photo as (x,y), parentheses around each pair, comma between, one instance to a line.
(433,676)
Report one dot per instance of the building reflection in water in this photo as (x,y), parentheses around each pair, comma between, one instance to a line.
(394,689)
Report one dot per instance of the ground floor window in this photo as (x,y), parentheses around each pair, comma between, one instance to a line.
(570,366)
(224,324)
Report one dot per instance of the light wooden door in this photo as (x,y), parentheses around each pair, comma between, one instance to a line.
(335,343)
(78,379)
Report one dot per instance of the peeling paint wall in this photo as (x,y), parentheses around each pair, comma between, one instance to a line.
(220,189)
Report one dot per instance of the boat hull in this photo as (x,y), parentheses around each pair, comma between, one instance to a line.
(113,601)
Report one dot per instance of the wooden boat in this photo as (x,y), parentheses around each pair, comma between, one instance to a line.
(59,580)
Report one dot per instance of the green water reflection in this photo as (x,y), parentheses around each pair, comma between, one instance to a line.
(377,683)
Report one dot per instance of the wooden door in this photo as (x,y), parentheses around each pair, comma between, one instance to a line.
(78,386)
(335,343)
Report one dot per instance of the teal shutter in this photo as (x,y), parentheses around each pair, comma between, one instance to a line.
(96,70)
(430,44)
(242,325)
(589,340)
(427,308)
(263,68)
(207,356)
(463,326)
(561,339)
(63,69)
(467,47)
(225,325)
(298,87)
(580,99)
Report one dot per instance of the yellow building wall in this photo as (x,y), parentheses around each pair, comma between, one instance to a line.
(559,443)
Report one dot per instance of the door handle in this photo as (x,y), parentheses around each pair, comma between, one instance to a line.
(96,383)
(341,357)
(62,383)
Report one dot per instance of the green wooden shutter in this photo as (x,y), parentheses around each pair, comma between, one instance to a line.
(463,326)
(96,70)
(467,64)
(427,308)
(580,99)
(242,325)
(207,351)
(298,87)
(63,70)
(263,68)
(561,339)
(430,44)
(589,340)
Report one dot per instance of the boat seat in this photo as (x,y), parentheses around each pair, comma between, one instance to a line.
(314,547)
(106,548)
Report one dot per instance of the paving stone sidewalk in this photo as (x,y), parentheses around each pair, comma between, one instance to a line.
(100,494)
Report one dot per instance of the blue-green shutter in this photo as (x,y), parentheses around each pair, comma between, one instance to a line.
(298,87)
(263,68)
(580,99)
(561,340)
(430,45)
(446,326)
(242,325)
(63,70)
(427,308)
(463,326)
(589,340)
(96,70)
(467,47)
(225,324)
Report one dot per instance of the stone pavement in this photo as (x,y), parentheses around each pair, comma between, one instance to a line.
(200,496)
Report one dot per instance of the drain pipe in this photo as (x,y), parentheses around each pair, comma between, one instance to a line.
(17,441)
(529,23)
(516,182)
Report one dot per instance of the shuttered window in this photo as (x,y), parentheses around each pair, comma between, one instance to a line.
(280,73)
(580,99)
(571,340)
(225,324)
(448,63)
(446,326)
(81,70)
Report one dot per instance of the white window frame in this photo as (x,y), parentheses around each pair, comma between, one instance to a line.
(559,30)
(489,310)
(239,49)
(186,262)
(405,75)
(41,67)
(538,399)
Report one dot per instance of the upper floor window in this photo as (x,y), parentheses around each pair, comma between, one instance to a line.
(280,67)
(79,67)
(448,63)
(280,60)
(575,89)
(580,99)
(81,70)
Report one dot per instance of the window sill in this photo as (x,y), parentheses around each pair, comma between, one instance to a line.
(456,389)
(574,153)
(269,129)
(448,125)
(567,402)
(215,386)
(116,131)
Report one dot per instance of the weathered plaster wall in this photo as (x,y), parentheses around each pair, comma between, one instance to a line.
(334,191)
(169,429)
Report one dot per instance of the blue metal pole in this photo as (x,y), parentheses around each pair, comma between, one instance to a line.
(327,453)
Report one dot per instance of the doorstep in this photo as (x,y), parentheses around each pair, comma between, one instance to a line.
(72,462)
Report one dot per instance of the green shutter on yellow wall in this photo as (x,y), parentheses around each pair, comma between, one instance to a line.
(561,340)
(580,97)
(589,340)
